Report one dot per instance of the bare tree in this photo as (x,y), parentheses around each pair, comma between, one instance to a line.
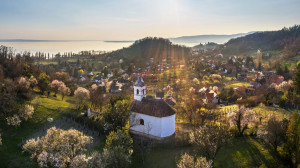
(274,132)
(209,140)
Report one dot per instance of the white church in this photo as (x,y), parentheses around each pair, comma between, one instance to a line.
(150,117)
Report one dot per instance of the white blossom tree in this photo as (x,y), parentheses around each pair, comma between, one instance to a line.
(27,112)
(188,161)
(58,147)
(215,88)
(64,90)
(14,120)
(241,118)
(80,161)
(192,89)
(284,85)
(84,161)
(82,96)
(24,82)
(33,81)
(96,161)
(216,76)
(196,81)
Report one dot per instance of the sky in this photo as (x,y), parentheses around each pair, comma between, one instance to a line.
(135,19)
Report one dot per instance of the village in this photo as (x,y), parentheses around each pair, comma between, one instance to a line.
(137,109)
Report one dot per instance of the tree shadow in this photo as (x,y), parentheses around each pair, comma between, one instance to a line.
(247,152)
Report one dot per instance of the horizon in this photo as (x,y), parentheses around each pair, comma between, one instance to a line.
(129,40)
(130,20)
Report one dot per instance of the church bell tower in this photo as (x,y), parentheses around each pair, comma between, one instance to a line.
(139,90)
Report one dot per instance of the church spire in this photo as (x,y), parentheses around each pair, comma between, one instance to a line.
(139,90)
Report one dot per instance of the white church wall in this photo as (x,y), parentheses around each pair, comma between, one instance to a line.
(155,126)
(152,125)
(168,126)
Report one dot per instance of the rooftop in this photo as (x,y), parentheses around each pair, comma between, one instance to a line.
(140,82)
(152,107)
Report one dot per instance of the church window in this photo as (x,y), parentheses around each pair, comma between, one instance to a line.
(141,121)
(137,91)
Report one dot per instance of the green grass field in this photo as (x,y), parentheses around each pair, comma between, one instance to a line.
(247,152)
(11,154)
(47,62)
(240,152)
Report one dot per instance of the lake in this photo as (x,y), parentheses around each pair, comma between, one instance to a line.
(54,47)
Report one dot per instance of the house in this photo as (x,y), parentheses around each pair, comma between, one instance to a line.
(259,75)
(169,93)
(241,89)
(208,96)
(146,73)
(212,63)
(123,81)
(152,118)
(255,85)
(249,90)
(171,101)
(228,68)
(82,78)
(242,76)
(91,74)
(125,75)
(115,87)
(101,84)
(110,75)
(275,79)
(99,78)
(212,97)
(160,95)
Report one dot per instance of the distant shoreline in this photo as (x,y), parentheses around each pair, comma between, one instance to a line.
(29,40)
(119,41)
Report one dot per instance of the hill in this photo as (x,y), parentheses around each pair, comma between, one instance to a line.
(209,45)
(150,47)
(286,40)
(220,39)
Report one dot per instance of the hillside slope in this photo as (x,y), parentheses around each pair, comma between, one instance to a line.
(286,40)
(220,39)
(156,48)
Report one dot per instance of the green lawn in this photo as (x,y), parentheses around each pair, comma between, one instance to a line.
(240,152)
(235,84)
(47,62)
(247,152)
(11,154)
(265,112)
(162,156)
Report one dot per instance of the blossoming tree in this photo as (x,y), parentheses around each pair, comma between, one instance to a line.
(82,96)
(58,147)
(188,161)
(55,84)
(241,118)
(64,90)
